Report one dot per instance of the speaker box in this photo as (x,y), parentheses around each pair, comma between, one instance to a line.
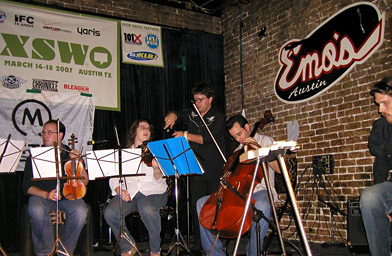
(356,234)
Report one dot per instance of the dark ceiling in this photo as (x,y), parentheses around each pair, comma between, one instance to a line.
(210,7)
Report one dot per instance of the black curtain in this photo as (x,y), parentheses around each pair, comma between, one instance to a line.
(146,92)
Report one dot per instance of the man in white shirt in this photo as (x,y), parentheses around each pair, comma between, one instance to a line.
(240,130)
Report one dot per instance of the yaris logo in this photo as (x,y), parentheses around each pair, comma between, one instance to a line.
(311,66)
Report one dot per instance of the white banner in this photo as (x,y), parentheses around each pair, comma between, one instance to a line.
(141,44)
(48,50)
(23,116)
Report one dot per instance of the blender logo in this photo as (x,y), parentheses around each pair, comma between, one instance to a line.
(49,49)
(311,66)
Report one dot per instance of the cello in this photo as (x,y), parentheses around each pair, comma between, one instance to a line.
(74,188)
(223,211)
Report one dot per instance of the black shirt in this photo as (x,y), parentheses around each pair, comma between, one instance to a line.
(380,145)
(207,153)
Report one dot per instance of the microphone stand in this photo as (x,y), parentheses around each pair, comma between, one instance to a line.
(332,209)
(1,159)
(122,234)
(58,241)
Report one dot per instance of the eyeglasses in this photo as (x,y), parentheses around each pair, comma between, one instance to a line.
(199,99)
(144,128)
(42,134)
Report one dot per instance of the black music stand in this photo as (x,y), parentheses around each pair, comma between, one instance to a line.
(175,158)
(118,159)
(40,158)
(11,152)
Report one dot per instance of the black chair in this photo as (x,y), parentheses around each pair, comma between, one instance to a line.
(85,242)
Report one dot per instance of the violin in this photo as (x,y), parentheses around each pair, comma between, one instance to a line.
(223,211)
(147,156)
(74,188)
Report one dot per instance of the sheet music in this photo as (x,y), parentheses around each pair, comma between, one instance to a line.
(179,149)
(44,162)
(11,156)
(104,163)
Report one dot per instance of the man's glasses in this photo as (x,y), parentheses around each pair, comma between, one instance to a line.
(199,99)
(42,134)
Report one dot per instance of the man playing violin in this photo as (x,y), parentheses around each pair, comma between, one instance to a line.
(147,194)
(240,130)
(202,144)
(43,196)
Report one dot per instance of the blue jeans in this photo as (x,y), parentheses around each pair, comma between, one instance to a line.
(41,227)
(207,239)
(376,203)
(148,207)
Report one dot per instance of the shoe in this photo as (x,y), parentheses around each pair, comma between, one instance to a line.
(129,253)
(155,254)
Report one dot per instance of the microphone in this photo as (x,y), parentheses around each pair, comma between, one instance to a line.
(93,142)
(33,145)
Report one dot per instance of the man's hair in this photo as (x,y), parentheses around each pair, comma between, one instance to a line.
(203,88)
(236,119)
(133,128)
(384,86)
(61,128)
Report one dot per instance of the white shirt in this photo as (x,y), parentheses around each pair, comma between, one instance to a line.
(147,184)
(264,141)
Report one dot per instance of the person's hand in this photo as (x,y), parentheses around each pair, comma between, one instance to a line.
(251,142)
(52,195)
(74,154)
(389,217)
(154,163)
(170,120)
(178,134)
(125,196)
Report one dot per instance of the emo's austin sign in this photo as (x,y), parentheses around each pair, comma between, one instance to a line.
(311,66)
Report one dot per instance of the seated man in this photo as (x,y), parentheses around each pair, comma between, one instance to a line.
(376,201)
(43,197)
(240,130)
(147,194)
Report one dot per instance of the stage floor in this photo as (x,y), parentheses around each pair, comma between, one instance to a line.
(316,248)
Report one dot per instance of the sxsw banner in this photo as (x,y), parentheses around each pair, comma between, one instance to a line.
(141,44)
(23,116)
(46,50)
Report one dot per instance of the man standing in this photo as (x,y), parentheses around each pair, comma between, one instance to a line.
(202,144)
(43,196)
(376,201)
(240,130)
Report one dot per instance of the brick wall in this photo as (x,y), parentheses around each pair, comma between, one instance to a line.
(338,122)
(139,11)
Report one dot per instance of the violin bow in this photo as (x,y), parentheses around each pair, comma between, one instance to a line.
(209,132)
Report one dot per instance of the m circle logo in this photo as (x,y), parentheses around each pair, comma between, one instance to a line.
(310,66)
(30,114)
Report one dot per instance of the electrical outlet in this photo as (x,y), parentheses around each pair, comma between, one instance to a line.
(323,164)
